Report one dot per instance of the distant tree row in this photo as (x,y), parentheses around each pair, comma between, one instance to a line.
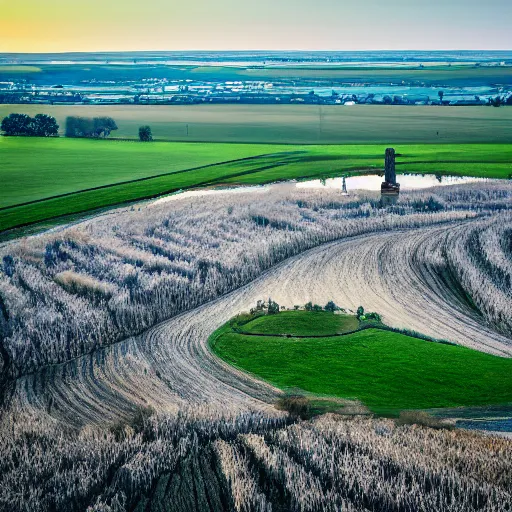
(41,125)
(330,306)
(88,127)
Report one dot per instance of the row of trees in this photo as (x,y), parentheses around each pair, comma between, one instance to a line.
(41,125)
(87,127)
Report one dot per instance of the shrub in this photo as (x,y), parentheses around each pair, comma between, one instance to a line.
(420,418)
(330,306)
(297,406)
(372,316)
(145,134)
(242,319)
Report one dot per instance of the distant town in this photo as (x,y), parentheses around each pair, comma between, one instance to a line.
(390,78)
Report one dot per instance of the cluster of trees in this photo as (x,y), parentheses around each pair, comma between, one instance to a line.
(330,306)
(362,316)
(87,127)
(66,294)
(251,462)
(41,125)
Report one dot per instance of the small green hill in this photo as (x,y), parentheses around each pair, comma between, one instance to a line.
(302,323)
(387,371)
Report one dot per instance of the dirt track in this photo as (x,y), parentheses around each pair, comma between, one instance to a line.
(398,274)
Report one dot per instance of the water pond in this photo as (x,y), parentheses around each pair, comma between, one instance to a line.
(369,182)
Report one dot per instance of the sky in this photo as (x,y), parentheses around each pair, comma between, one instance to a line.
(117,25)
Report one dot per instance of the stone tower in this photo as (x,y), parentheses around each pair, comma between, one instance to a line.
(389,185)
(389,166)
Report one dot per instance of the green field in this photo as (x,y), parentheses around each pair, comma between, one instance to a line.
(302,323)
(387,371)
(462,75)
(7,69)
(431,74)
(297,124)
(61,176)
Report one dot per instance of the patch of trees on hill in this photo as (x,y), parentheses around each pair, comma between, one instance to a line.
(87,127)
(42,125)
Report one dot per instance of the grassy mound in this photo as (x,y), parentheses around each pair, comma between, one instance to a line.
(387,371)
(302,323)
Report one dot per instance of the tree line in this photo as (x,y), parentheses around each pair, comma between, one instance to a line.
(43,125)
(89,127)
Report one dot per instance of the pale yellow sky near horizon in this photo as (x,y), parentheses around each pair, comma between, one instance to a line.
(99,25)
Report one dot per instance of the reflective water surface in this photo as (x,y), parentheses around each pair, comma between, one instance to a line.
(365,182)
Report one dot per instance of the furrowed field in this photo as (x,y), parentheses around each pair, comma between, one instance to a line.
(296,124)
(113,402)
(65,176)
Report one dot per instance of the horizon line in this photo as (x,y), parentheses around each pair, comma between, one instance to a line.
(261,50)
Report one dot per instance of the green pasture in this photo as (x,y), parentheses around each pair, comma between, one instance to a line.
(296,124)
(387,371)
(17,70)
(429,75)
(302,323)
(61,176)
(438,75)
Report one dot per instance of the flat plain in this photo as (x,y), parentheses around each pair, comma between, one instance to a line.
(431,74)
(296,124)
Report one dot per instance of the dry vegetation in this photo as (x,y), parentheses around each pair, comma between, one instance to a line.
(251,462)
(482,261)
(66,294)
(126,303)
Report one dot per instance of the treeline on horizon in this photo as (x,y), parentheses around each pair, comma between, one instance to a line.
(43,125)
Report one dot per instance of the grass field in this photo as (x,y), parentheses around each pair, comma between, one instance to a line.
(302,323)
(61,176)
(19,69)
(387,371)
(430,75)
(297,124)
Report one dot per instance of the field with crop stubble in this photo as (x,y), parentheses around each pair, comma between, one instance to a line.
(113,400)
